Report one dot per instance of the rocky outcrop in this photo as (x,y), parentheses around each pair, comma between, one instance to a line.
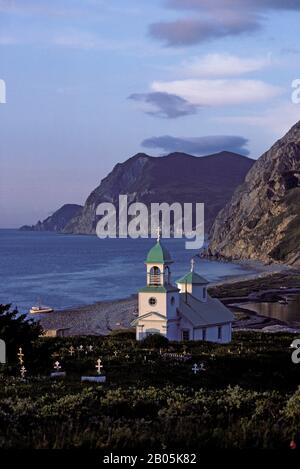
(177,177)
(262,220)
(57,221)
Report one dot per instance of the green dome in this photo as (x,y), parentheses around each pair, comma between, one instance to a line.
(193,278)
(158,254)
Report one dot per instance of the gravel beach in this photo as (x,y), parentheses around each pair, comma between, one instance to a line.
(97,319)
(105,316)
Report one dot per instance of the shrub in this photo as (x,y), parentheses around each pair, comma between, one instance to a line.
(155,341)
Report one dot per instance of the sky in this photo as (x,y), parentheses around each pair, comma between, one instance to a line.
(90,83)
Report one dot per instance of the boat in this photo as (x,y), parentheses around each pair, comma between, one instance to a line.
(283,302)
(40,309)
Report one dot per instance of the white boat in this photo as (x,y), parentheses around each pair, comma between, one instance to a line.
(40,309)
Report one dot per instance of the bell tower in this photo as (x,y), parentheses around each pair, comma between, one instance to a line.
(159,299)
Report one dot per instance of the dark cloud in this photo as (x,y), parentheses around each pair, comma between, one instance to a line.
(200,145)
(236,4)
(193,31)
(165,105)
(216,19)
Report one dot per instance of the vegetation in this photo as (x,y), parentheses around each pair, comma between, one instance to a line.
(16,329)
(248,397)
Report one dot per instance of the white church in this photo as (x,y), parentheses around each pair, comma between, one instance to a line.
(182,312)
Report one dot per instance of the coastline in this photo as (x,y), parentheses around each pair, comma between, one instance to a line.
(100,318)
(103,317)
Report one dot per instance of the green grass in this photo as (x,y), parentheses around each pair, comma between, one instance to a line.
(248,397)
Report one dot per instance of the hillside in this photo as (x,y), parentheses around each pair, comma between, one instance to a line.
(177,177)
(57,221)
(262,220)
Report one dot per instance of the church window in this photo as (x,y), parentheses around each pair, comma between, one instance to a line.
(219,332)
(154,276)
(204,293)
(152,301)
(172,300)
(203,334)
(185,334)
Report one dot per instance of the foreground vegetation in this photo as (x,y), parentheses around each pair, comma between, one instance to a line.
(248,397)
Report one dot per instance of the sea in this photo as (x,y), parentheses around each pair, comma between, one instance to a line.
(64,271)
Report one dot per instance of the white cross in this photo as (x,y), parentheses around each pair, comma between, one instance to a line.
(57,366)
(80,348)
(195,369)
(23,372)
(127,356)
(158,231)
(90,348)
(202,367)
(192,264)
(21,355)
(115,353)
(99,366)
(71,350)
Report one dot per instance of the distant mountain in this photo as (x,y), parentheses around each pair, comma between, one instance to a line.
(262,220)
(57,221)
(177,177)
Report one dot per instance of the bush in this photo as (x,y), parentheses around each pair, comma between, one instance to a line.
(155,341)
(17,331)
(123,334)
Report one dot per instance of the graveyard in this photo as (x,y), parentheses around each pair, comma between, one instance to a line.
(113,392)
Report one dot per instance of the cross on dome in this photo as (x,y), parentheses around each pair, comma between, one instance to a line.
(158,231)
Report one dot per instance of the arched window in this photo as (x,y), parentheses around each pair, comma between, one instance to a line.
(155,276)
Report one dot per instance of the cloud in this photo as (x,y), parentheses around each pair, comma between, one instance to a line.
(222,65)
(277,119)
(163,104)
(199,145)
(218,92)
(237,4)
(215,19)
(189,31)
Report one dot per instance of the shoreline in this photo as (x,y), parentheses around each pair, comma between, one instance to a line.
(103,317)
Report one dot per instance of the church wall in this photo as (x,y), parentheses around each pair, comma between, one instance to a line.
(172,305)
(150,326)
(145,307)
(173,331)
(195,290)
(212,334)
(185,325)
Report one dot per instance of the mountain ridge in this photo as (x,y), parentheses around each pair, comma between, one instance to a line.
(177,177)
(262,219)
(57,221)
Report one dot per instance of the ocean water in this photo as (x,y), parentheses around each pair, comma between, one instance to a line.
(66,270)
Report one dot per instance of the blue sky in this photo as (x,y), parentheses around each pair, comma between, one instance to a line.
(90,83)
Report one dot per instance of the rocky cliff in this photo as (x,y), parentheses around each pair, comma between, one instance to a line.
(262,220)
(176,177)
(57,221)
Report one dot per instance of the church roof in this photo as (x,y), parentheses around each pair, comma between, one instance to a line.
(204,314)
(194,278)
(158,289)
(158,254)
